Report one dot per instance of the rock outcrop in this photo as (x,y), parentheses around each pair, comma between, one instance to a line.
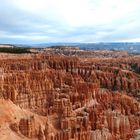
(63,97)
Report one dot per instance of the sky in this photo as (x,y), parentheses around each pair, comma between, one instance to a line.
(84,21)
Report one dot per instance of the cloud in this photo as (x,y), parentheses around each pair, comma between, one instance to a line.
(29,21)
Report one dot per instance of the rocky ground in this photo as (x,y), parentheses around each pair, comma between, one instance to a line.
(69,94)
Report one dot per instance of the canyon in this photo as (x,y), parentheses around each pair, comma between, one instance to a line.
(70,94)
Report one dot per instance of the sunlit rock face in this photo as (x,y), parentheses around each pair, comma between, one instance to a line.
(83,96)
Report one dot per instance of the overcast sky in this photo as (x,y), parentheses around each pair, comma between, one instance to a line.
(43,21)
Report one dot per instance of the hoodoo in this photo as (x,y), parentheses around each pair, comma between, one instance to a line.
(70,95)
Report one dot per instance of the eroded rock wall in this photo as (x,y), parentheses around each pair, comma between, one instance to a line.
(82,99)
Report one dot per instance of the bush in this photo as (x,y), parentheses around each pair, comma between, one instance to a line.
(15,50)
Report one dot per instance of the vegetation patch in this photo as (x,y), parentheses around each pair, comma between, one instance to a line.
(17,50)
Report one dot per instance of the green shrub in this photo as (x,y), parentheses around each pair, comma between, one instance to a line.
(15,50)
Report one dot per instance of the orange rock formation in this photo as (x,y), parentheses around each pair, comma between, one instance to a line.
(58,97)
